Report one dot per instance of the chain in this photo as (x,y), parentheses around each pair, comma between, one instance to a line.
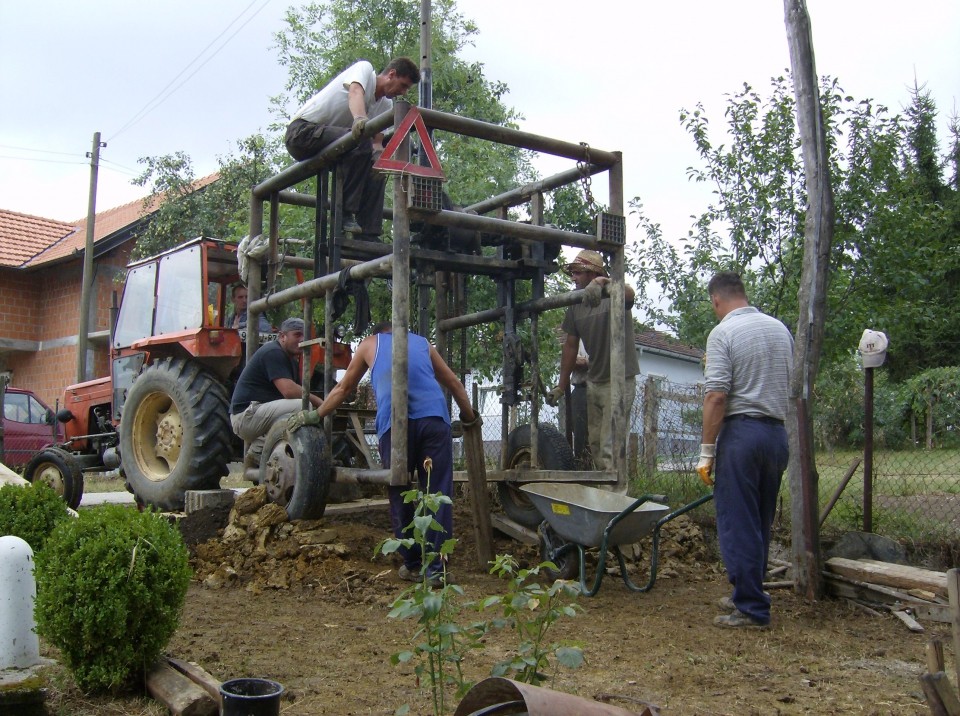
(585,179)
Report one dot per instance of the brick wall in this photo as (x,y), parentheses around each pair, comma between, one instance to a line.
(44,305)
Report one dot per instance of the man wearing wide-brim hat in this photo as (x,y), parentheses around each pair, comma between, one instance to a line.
(589,321)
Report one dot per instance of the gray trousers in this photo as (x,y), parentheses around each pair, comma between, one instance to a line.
(253,423)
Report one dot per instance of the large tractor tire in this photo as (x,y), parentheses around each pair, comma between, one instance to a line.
(60,470)
(295,470)
(174,433)
(553,453)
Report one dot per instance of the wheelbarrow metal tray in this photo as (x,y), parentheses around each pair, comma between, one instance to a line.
(580,514)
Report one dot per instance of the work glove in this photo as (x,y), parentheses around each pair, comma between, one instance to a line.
(475,423)
(302,417)
(592,294)
(359,123)
(708,454)
(553,397)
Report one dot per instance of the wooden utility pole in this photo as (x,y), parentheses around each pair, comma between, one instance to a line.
(818,237)
(84,329)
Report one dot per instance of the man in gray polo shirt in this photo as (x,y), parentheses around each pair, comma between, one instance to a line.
(747,379)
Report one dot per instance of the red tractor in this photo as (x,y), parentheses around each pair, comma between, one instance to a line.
(163,414)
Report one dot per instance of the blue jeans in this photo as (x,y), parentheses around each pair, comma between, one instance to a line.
(751,458)
(427,437)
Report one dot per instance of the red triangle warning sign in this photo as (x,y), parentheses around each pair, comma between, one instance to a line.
(389,163)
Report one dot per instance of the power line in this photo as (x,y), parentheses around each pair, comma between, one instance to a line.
(37,159)
(39,151)
(167,92)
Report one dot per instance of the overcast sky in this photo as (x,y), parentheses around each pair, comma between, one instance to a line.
(613,73)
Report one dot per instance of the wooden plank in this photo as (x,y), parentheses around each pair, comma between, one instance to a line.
(201,677)
(479,493)
(912,624)
(349,508)
(932,612)
(937,708)
(953,589)
(178,693)
(889,574)
(512,529)
(941,697)
(934,653)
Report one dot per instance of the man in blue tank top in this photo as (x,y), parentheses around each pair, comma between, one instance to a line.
(428,429)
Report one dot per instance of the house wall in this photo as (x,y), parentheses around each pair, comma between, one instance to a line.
(43,307)
(674,370)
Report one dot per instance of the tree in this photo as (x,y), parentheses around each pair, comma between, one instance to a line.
(894,264)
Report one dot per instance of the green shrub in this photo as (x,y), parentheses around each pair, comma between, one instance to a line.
(110,588)
(30,513)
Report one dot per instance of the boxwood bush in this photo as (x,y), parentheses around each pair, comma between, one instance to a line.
(30,513)
(110,589)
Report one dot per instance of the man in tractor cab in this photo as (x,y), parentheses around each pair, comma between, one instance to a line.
(269,388)
(237,318)
(341,108)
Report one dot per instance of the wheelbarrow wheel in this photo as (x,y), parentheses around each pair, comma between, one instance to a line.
(553,453)
(568,564)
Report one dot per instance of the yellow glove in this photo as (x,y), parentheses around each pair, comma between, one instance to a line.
(302,417)
(705,466)
(359,123)
(553,397)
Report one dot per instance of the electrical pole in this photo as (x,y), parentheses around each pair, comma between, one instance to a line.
(84,329)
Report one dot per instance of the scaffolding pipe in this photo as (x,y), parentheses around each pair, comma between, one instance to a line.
(515,138)
(537,305)
(308,168)
(513,229)
(523,194)
(318,286)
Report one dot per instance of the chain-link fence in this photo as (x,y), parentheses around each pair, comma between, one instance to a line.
(915,492)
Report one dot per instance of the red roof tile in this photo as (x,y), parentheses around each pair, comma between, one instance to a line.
(23,236)
(28,241)
(666,342)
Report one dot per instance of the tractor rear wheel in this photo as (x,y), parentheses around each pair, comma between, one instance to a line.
(295,470)
(553,453)
(60,470)
(174,433)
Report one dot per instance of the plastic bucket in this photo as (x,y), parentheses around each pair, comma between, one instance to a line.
(250,697)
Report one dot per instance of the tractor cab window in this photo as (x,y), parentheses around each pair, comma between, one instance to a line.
(136,309)
(180,299)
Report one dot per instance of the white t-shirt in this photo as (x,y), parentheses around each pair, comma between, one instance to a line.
(330,105)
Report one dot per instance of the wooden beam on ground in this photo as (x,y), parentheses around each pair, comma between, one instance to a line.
(178,693)
(889,574)
(512,529)
(204,679)
(912,624)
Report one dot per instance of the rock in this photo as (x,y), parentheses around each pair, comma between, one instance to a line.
(249,502)
(269,515)
(321,536)
(223,576)
(857,545)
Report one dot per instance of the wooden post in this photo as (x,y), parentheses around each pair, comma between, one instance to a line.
(479,502)
(953,591)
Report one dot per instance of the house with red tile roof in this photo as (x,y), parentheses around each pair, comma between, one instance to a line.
(41,277)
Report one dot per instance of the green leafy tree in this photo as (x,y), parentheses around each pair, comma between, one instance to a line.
(189,206)
(894,264)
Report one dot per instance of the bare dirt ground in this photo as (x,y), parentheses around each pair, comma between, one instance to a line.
(314,617)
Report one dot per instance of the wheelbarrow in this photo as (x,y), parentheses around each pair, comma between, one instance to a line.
(577,516)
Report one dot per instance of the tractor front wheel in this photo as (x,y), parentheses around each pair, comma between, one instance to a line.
(174,433)
(60,470)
